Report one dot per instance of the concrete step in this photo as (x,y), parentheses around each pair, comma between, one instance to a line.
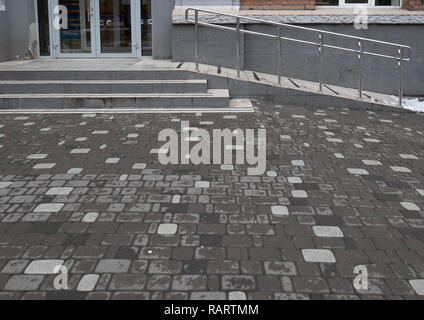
(103,86)
(31,75)
(213,98)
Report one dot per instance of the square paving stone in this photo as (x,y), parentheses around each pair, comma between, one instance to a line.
(49,207)
(167,228)
(113,266)
(88,282)
(24,282)
(418,286)
(358,171)
(328,231)
(59,191)
(401,169)
(43,266)
(189,283)
(237,295)
(410,206)
(280,210)
(318,255)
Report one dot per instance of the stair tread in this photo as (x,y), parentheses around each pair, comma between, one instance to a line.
(188,81)
(224,93)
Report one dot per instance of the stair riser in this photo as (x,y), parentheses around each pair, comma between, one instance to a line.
(95,103)
(103,88)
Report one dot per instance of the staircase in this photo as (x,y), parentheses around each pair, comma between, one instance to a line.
(108,89)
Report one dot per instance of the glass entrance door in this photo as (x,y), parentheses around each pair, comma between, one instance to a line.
(74,27)
(100,28)
(116,28)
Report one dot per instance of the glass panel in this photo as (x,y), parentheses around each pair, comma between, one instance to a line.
(43,27)
(115,26)
(77,38)
(356,1)
(146,27)
(327,2)
(387,2)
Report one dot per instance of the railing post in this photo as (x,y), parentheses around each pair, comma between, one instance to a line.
(321,51)
(196,13)
(238,48)
(400,76)
(279,55)
(361,66)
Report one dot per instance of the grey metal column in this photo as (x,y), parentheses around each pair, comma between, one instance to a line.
(197,39)
(400,76)
(361,67)
(279,54)
(238,48)
(321,70)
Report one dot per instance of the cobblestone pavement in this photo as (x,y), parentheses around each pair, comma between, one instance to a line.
(343,188)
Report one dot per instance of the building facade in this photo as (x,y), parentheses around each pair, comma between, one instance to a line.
(146,29)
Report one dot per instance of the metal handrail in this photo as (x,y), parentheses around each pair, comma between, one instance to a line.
(400,58)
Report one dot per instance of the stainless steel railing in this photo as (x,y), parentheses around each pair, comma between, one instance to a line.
(403,52)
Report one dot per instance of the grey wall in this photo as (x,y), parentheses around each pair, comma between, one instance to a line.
(4,47)
(162,28)
(19,16)
(217,47)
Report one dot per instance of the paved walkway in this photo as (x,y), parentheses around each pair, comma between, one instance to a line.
(343,188)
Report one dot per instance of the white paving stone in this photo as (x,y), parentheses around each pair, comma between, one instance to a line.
(167,228)
(80,151)
(271,173)
(88,282)
(335,140)
(59,191)
(420,191)
(372,162)
(44,166)
(227,167)
(43,266)
(176,198)
(237,295)
(98,132)
(358,171)
(132,135)
(298,116)
(285,137)
(81,139)
(371,140)
(90,217)
(408,156)
(327,231)
(37,156)
(280,210)
(318,255)
(299,194)
(418,286)
(339,156)
(75,171)
(294,180)
(112,160)
(298,163)
(49,207)
(5,184)
(139,166)
(410,206)
(401,169)
(202,184)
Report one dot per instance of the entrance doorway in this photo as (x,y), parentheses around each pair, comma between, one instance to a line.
(101,28)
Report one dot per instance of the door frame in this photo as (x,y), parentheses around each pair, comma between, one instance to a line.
(136,41)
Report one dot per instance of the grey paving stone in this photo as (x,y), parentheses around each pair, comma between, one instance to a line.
(24,282)
(113,266)
(88,282)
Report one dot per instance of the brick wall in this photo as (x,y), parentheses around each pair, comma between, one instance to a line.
(413,4)
(279,4)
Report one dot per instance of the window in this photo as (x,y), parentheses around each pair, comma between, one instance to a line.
(2,5)
(359,3)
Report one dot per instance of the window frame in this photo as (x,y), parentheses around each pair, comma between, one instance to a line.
(370,4)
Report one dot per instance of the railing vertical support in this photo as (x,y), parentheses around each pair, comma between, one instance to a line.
(400,76)
(196,12)
(238,48)
(279,55)
(321,51)
(361,67)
